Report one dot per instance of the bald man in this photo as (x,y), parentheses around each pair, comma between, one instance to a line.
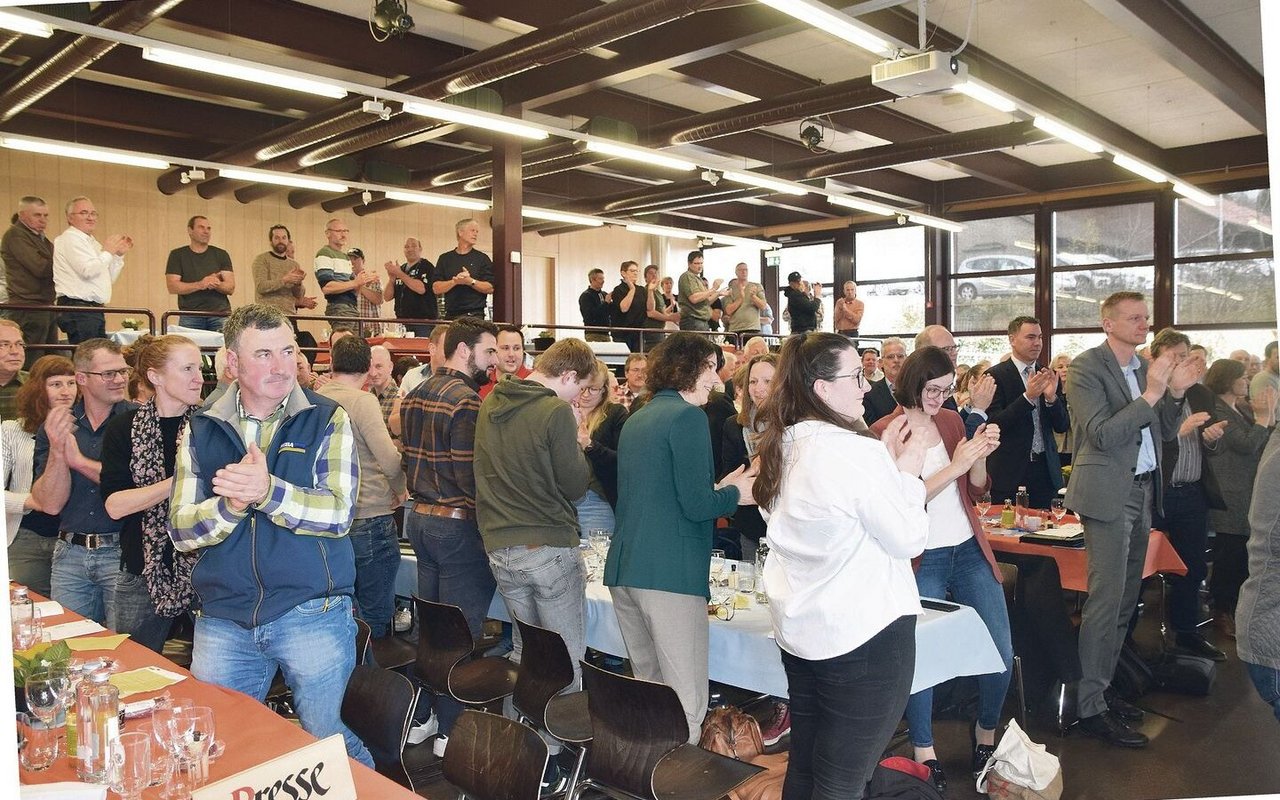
(980,392)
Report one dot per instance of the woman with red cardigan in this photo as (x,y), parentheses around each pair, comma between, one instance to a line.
(957,557)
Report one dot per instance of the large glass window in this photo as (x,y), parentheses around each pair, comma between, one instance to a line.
(889,270)
(992,273)
(816,264)
(1086,244)
(1223,268)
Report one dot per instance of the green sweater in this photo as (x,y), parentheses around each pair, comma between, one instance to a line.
(529,468)
(667,506)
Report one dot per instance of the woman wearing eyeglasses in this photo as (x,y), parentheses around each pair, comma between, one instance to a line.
(845,515)
(957,556)
(599,425)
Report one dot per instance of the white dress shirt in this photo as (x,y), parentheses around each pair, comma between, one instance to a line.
(842,533)
(18,448)
(82,269)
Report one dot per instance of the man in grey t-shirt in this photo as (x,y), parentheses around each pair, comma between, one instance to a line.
(200,275)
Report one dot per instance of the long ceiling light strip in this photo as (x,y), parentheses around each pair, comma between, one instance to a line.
(862,205)
(551,215)
(740,241)
(19,24)
(660,230)
(828,20)
(762,182)
(1067,134)
(476,119)
(244,71)
(439,200)
(282,179)
(640,154)
(987,96)
(934,222)
(105,155)
(1195,194)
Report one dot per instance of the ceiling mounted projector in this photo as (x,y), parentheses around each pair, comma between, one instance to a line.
(931,71)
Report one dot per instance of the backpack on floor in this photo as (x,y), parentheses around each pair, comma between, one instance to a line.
(1133,677)
(1185,673)
(899,778)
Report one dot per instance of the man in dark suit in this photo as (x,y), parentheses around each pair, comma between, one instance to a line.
(980,392)
(879,401)
(1029,407)
(1190,489)
(1122,410)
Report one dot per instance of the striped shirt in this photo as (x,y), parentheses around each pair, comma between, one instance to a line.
(438,430)
(200,520)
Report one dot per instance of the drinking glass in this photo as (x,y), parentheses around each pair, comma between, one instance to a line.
(1059,508)
(37,742)
(599,540)
(161,758)
(130,764)
(717,564)
(28,630)
(746,577)
(984,504)
(193,728)
(48,691)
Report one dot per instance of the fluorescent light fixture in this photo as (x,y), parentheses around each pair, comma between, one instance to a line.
(103,154)
(1195,194)
(13,22)
(827,19)
(282,179)
(233,68)
(438,200)
(738,241)
(862,205)
(934,222)
(987,96)
(560,216)
(1069,135)
(1139,168)
(494,122)
(751,179)
(639,154)
(660,230)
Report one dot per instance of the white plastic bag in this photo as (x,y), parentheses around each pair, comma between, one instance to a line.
(1023,763)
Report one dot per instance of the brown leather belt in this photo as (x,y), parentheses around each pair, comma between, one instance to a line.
(448,512)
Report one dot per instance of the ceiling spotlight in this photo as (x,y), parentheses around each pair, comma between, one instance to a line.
(389,18)
(377,108)
(710,176)
(366,197)
(812,132)
(190,175)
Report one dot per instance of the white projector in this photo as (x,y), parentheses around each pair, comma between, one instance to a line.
(923,73)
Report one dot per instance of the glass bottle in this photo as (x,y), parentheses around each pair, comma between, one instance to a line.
(1022,501)
(1008,517)
(98,717)
(762,553)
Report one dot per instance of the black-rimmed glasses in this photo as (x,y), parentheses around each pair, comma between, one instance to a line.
(110,374)
(934,392)
(859,378)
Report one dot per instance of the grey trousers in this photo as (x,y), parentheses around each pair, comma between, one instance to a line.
(1117,553)
(666,638)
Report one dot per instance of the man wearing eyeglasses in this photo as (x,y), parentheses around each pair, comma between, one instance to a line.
(980,392)
(879,401)
(84,271)
(86,557)
(510,360)
(336,275)
(12,376)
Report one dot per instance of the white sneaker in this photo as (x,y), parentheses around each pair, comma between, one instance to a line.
(420,733)
(439,745)
(403,620)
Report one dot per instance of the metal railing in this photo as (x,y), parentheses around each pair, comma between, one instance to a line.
(65,347)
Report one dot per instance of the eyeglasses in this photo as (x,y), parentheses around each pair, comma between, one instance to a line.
(858,378)
(110,374)
(85,213)
(337,230)
(587,390)
(951,351)
(934,392)
(12,346)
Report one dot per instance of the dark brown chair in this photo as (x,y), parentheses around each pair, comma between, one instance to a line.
(1009,581)
(640,743)
(392,652)
(378,707)
(491,757)
(546,669)
(445,662)
(363,637)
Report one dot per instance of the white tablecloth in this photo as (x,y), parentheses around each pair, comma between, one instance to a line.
(743,653)
(202,338)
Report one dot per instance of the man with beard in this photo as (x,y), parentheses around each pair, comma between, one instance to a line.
(510,361)
(438,424)
(200,274)
(277,278)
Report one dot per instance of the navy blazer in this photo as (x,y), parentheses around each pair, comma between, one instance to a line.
(1010,410)
(878,402)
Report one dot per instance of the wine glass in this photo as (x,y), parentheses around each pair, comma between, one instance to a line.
(48,690)
(717,565)
(1059,509)
(599,540)
(161,757)
(130,764)
(193,728)
(984,505)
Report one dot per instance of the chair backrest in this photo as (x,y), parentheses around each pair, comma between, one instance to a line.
(546,669)
(363,635)
(444,641)
(378,707)
(1009,582)
(494,758)
(635,723)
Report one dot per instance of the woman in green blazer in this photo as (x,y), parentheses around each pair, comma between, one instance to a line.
(660,557)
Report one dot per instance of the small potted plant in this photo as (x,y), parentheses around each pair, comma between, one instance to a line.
(26,662)
(543,340)
(130,323)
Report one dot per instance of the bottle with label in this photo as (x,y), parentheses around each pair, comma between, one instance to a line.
(1008,517)
(98,718)
(1022,503)
(20,605)
(762,553)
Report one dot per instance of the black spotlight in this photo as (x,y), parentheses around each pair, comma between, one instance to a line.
(390,18)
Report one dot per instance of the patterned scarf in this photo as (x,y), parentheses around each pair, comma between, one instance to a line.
(166,571)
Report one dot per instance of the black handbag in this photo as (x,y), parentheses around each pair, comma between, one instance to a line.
(1185,674)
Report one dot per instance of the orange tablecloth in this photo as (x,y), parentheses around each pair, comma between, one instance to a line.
(1073,562)
(252,732)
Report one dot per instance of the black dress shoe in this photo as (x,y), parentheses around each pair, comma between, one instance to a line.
(936,775)
(1122,708)
(1111,730)
(981,752)
(1195,644)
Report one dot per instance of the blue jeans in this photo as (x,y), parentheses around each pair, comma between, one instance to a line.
(134,613)
(966,572)
(202,323)
(1267,681)
(594,512)
(377,549)
(452,568)
(844,711)
(83,580)
(313,644)
(31,559)
(546,586)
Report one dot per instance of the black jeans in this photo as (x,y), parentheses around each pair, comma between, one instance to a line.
(1230,568)
(1186,521)
(844,711)
(81,325)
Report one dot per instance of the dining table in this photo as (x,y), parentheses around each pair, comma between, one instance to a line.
(252,733)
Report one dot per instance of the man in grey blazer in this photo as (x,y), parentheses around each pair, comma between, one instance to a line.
(1122,410)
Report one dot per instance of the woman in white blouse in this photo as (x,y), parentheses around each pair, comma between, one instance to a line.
(32,533)
(845,516)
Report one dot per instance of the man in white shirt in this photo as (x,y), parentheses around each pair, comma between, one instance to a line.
(84,270)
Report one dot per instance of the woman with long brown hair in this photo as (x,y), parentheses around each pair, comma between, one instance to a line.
(845,516)
(32,533)
(599,426)
(740,436)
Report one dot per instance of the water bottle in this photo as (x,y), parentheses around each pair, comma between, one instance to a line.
(1023,503)
(98,718)
(20,605)
(762,553)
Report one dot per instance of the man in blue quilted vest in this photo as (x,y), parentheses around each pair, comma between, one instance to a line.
(264,492)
